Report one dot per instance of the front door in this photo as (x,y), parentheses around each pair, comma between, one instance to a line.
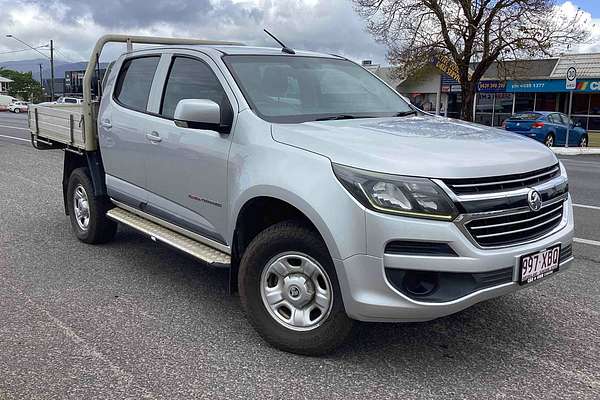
(187,169)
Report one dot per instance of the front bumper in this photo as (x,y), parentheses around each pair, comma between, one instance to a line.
(369,295)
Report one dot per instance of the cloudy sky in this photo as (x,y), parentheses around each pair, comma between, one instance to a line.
(329,26)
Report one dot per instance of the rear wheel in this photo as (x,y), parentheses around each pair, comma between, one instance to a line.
(289,290)
(88,212)
(549,141)
(583,142)
(16,111)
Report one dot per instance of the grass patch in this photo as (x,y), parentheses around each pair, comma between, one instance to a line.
(594,138)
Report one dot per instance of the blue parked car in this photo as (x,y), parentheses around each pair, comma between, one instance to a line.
(547,127)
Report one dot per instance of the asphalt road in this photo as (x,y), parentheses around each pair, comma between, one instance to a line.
(132,319)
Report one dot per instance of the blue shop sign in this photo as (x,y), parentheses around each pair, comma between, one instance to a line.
(555,85)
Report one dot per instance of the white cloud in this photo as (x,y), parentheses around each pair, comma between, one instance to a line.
(329,26)
(592,44)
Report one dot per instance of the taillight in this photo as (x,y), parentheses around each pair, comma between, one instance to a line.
(537,125)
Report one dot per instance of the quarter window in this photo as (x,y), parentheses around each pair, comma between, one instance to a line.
(135,81)
(191,79)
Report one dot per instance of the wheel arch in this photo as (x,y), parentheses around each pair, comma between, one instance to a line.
(95,170)
(261,210)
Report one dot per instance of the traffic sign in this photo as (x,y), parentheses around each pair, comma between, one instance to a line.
(571,79)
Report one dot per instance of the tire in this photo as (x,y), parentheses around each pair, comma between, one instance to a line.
(325,326)
(583,141)
(549,140)
(87,212)
(17,111)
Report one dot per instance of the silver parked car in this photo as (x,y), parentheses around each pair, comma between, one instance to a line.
(329,197)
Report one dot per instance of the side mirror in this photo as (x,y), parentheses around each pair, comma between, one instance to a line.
(198,114)
(578,124)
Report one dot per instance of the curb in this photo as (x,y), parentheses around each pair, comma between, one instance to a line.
(575,151)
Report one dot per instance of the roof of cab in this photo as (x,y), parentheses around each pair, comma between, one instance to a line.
(275,51)
(241,50)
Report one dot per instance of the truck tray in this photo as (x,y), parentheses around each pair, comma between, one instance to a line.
(58,123)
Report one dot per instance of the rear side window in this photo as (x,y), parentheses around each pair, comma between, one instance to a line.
(135,81)
(554,118)
(191,79)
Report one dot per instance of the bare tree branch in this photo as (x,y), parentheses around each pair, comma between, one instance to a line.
(468,32)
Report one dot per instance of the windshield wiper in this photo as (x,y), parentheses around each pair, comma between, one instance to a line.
(405,113)
(335,117)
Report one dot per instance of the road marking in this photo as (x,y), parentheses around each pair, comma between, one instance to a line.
(568,160)
(586,206)
(14,127)
(16,138)
(587,241)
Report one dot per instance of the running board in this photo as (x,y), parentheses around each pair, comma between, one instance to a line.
(159,233)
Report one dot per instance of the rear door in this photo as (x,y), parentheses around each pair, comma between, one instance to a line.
(558,127)
(574,132)
(122,127)
(187,169)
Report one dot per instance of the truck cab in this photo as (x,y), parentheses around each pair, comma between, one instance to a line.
(328,197)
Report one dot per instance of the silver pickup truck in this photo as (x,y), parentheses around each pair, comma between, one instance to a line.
(328,196)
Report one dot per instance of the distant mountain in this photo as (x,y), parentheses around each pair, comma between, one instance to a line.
(33,66)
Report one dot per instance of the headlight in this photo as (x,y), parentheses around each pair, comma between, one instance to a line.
(395,194)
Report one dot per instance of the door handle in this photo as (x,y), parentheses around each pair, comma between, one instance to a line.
(153,137)
(106,124)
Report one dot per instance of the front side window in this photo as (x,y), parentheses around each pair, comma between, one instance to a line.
(135,81)
(292,89)
(191,79)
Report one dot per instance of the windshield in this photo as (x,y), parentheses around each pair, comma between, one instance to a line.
(292,89)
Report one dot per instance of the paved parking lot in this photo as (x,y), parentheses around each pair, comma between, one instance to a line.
(133,319)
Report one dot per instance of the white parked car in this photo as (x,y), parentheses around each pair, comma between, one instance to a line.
(69,100)
(18,106)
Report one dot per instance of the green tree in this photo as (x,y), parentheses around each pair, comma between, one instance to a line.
(23,85)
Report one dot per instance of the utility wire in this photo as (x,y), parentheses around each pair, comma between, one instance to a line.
(18,51)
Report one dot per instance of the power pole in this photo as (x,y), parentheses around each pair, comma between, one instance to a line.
(52,70)
(41,76)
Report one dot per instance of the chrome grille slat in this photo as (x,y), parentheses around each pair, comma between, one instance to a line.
(494,230)
(502,183)
(549,173)
(517,230)
(517,222)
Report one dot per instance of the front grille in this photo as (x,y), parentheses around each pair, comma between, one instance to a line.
(503,182)
(566,253)
(517,227)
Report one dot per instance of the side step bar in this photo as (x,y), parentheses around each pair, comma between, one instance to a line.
(159,233)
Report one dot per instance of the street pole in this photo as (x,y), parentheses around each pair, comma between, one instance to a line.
(569,124)
(41,77)
(52,69)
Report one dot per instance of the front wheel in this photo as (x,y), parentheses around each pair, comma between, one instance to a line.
(583,142)
(16,111)
(289,290)
(88,212)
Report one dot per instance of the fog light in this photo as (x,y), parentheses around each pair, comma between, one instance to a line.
(420,283)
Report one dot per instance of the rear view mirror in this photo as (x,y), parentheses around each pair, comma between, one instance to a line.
(198,114)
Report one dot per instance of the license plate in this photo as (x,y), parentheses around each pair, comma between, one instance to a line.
(537,265)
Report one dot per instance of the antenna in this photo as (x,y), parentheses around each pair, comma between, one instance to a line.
(284,48)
